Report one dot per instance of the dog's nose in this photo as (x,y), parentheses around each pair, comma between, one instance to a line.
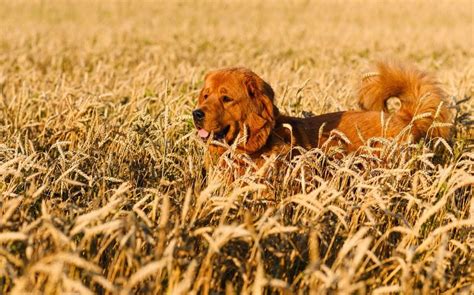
(198,115)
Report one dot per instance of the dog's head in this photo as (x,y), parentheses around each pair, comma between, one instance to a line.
(234,100)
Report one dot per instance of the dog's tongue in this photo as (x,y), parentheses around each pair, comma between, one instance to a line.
(203,133)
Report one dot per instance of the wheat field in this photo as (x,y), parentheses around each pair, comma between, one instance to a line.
(103,187)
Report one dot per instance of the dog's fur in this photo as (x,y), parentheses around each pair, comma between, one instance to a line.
(237,103)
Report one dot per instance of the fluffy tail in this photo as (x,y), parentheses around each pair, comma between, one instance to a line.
(422,100)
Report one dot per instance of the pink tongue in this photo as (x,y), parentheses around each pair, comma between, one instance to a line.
(203,133)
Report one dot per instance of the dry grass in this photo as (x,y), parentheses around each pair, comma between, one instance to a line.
(102,189)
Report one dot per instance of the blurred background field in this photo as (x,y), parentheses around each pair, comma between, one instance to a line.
(102,188)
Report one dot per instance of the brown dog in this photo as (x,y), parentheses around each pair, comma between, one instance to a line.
(236,103)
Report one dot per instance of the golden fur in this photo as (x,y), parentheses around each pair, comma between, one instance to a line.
(235,102)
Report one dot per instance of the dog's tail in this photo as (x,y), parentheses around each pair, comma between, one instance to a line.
(423,102)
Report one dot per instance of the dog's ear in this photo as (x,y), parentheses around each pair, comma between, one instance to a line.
(260,119)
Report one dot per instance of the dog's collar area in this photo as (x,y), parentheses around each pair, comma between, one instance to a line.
(283,134)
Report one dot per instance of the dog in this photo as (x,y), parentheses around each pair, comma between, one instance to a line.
(235,104)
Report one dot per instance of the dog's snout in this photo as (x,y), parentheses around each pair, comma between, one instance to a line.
(198,115)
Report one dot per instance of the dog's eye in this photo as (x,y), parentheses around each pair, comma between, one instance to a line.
(226,99)
(205,96)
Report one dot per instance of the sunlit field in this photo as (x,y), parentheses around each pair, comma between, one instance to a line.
(102,181)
